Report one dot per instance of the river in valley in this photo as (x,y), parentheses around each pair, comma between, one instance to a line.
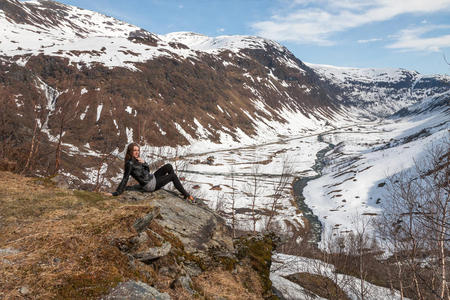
(300,183)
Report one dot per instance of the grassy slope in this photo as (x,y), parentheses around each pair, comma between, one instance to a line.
(62,238)
(59,244)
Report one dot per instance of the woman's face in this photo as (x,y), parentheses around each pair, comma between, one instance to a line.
(136,151)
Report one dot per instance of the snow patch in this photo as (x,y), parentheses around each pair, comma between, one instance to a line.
(129,133)
(83,114)
(160,129)
(99,111)
(284,265)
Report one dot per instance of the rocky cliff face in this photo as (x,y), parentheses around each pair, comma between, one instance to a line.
(59,243)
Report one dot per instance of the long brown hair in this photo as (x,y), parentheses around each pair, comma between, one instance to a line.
(129,153)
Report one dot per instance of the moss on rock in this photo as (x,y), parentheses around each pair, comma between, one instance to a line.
(258,250)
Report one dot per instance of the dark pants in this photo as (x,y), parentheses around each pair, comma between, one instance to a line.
(164,175)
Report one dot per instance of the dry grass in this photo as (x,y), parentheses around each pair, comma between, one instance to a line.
(319,285)
(245,284)
(62,240)
(62,244)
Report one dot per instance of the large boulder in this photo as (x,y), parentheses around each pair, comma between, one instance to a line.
(199,228)
(184,241)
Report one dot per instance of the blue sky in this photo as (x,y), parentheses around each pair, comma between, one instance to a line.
(410,34)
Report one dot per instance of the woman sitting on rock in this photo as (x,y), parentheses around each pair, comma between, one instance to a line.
(136,167)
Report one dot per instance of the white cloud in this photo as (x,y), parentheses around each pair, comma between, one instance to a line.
(221,30)
(412,39)
(306,21)
(368,41)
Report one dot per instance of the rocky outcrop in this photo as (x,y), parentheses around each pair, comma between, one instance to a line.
(142,223)
(197,227)
(182,242)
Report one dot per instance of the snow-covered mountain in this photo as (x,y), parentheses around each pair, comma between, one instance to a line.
(77,86)
(115,78)
(381,92)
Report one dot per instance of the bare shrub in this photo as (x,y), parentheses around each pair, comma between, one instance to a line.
(38,117)
(220,203)
(65,113)
(279,188)
(107,156)
(254,190)
(415,224)
(233,202)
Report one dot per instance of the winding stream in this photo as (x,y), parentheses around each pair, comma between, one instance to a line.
(300,183)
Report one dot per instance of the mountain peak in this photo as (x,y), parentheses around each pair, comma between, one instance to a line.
(234,43)
(58,19)
(380,74)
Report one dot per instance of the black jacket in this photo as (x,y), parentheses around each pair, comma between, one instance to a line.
(139,171)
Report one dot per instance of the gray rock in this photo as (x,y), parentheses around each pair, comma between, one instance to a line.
(135,194)
(60,182)
(24,290)
(150,253)
(142,223)
(135,290)
(184,282)
(278,293)
(141,238)
(172,271)
(153,253)
(192,269)
(56,260)
(198,228)
(165,271)
(8,251)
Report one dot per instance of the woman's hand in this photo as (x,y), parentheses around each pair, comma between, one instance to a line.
(140,160)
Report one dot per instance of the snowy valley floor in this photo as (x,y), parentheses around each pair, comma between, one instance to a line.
(352,179)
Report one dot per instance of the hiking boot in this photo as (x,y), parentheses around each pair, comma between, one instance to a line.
(190,199)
